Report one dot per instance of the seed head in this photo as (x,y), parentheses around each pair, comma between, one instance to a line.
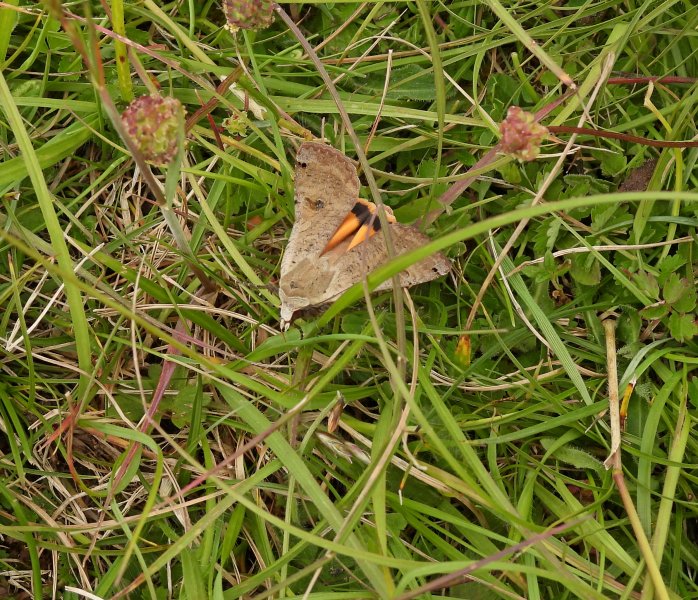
(153,123)
(521,134)
(248,14)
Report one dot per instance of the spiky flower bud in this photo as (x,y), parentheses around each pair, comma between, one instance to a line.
(521,134)
(463,350)
(153,123)
(248,14)
(236,125)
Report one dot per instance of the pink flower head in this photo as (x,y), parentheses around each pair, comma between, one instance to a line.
(248,14)
(153,123)
(521,134)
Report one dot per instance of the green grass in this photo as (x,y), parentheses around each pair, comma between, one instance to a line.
(162,438)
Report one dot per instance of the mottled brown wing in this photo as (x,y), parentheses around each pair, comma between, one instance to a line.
(318,280)
(407,238)
(371,254)
(327,188)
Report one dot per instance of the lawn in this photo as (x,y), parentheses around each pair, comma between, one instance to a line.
(494,396)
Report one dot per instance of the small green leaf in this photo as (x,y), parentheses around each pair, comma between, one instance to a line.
(549,262)
(687,302)
(655,311)
(353,323)
(674,288)
(629,325)
(548,79)
(504,88)
(586,270)
(648,284)
(612,163)
(181,406)
(579,459)
(605,217)
(577,185)
(682,327)
(511,173)
(396,522)
(671,264)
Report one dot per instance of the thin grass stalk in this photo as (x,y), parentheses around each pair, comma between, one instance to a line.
(76,305)
(123,72)
(671,481)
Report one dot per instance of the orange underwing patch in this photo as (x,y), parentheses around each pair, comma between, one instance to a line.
(361,222)
(326,191)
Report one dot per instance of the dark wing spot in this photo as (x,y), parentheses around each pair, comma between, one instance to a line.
(315,204)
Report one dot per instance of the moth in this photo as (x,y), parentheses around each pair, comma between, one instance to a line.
(336,239)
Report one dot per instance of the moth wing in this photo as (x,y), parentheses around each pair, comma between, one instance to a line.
(405,239)
(326,189)
(323,279)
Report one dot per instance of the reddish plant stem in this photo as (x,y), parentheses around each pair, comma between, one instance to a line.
(624,137)
(665,79)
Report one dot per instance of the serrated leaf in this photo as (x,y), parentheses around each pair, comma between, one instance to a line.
(671,264)
(549,262)
(510,173)
(552,232)
(674,288)
(612,163)
(648,284)
(600,215)
(687,302)
(585,270)
(577,185)
(605,217)
(682,327)
(644,391)
(655,311)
